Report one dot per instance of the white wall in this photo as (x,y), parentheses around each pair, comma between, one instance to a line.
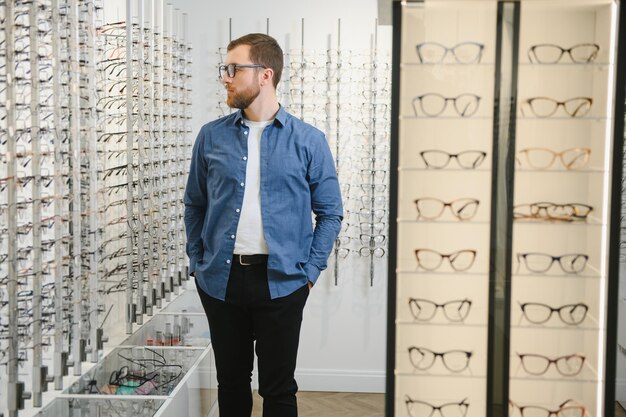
(343,342)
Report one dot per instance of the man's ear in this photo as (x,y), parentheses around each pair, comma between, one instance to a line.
(268,76)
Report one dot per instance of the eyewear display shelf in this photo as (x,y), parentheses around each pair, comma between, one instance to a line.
(502,257)
(164,368)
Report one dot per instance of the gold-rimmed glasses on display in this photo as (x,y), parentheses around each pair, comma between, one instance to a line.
(548,53)
(539,313)
(547,106)
(463,53)
(453,360)
(436,159)
(544,158)
(418,408)
(572,263)
(431,260)
(549,211)
(434,104)
(425,310)
(429,208)
(567,365)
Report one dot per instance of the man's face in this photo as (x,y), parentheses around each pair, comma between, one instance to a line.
(244,87)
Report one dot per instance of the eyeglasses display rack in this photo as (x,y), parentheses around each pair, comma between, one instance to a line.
(502,170)
(94,147)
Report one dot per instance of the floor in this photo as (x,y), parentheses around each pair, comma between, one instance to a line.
(341,404)
(333,404)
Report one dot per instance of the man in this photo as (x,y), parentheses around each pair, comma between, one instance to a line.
(255,178)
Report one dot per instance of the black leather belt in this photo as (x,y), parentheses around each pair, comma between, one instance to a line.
(247,260)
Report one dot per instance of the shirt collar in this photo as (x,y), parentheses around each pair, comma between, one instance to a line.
(281,116)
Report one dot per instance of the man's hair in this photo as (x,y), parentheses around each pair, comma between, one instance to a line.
(264,50)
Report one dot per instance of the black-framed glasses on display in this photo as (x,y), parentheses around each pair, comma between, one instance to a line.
(539,313)
(463,53)
(566,365)
(431,260)
(434,104)
(418,408)
(425,310)
(549,53)
(435,159)
(546,106)
(572,263)
(231,69)
(543,158)
(430,208)
(454,360)
(568,408)
(548,211)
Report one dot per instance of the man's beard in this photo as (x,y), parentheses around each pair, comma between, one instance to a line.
(243,99)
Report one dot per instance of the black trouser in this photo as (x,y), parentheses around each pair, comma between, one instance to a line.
(249,314)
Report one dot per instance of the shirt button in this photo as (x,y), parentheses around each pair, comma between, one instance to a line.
(245,133)
(241,184)
(237,210)
(232,236)
(245,158)
(228,261)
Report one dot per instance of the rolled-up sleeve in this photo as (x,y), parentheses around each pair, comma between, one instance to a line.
(327,207)
(195,201)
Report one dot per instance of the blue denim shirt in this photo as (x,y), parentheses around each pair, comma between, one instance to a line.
(298,177)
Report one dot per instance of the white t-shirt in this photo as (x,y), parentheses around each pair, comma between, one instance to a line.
(250,239)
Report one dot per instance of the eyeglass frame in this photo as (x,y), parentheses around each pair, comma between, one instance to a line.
(586,152)
(551,361)
(408,400)
(468,356)
(550,413)
(476,60)
(476,164)
(554,259)
(414,301)
(444,205)
(445,104)
(587,100)
(448,256)
(553,310)
(232,68)
(593,56)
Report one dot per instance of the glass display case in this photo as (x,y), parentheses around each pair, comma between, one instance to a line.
(193,393)
(188,303)
(188,330)
(502,187)
(101,407)
(137,371)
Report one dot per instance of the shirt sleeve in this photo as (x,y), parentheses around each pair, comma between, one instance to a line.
(195,201)
(327,207)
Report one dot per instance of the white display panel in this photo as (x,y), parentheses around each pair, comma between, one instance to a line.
(566,53)
(555,297)
(444,175)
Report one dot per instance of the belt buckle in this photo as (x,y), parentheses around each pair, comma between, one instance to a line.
(241,262)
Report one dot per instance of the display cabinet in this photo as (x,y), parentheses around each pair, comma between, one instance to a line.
(188,330)
(503,194)
(184,384)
